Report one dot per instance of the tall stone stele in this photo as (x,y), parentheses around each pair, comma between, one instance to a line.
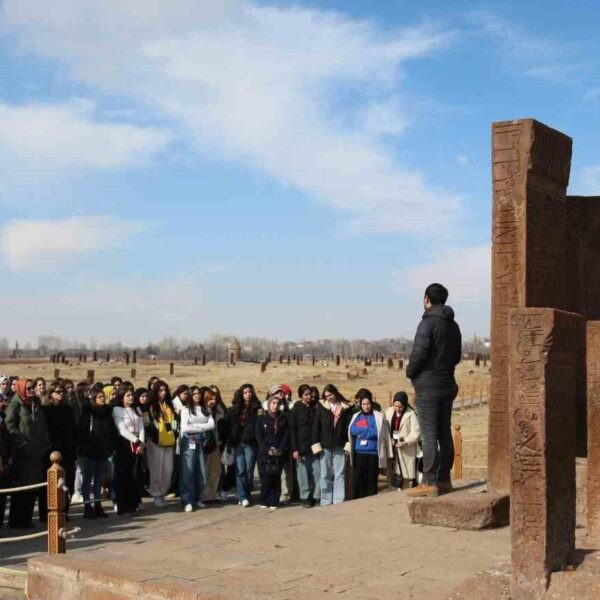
(531,164)
(544,355)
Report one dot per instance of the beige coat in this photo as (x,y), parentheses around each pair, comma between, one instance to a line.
(384,443)
(405,458)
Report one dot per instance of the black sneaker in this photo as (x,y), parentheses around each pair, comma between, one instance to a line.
(88,511)
(99,511)
(307,504)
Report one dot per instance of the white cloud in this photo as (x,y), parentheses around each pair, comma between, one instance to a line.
(281,90)
(34,245)
(463,160)
(592,96)
(466,272)
(38,138)
(538,57)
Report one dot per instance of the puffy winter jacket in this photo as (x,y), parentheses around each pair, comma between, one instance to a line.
(436,350)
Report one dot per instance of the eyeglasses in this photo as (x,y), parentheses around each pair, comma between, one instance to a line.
(29,388)
(58,392)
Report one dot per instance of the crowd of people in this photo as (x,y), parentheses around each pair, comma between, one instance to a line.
(133,442)
(128,443)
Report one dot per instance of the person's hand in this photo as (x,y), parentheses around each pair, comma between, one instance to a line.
(140,448)
(296,455)
(402,444)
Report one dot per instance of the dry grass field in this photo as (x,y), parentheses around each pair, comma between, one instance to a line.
(473,381)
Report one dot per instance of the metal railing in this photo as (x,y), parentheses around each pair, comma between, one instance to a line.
(57,531)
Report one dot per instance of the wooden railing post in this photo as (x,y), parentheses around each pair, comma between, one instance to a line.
(57,505)
(457,471)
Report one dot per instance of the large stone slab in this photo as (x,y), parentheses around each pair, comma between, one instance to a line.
(593,415)
(531,165)
(544,354)
(471,509)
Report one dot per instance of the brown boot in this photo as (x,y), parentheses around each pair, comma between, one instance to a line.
(423,490)
(445,487)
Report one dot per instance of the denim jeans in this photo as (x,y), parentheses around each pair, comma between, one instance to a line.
(333,468)
(308,470)
(193,468)
(245,461)
(434,411)
(92,469)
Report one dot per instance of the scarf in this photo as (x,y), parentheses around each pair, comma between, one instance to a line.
(21,385)
(336,411)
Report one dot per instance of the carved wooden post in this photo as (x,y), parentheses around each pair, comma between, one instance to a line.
(133,373)
(457,472)
(57,504)
(171,368)
(56,373)
(135,356)
(263,366)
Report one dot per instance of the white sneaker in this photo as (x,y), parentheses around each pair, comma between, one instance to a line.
(245,503)
(188,508)
(170,496)
(115,507)
(76,498)
(273,508)
(200,505)
(264,506)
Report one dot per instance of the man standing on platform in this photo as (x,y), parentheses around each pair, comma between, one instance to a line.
(437,349)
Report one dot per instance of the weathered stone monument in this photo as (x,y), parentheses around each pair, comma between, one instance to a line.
(544,354)
(530,166)
(234,351)
(593,419)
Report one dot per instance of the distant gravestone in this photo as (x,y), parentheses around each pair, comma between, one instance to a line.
(337,360)
(56,373)
(95,356)
(133,373)
(90,376)
(171,368)
(390,363)
(108,357)
(263,366)
(135,356)
(204,360)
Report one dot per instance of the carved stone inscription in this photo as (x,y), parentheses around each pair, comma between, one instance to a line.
(531,164)
(593,420)
(543,369)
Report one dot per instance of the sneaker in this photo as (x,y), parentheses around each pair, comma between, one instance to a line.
(140,507)
(188,508)
(99,510)
(200,504)
(88,511)
(223,496)
(423,490)
(307,504)
(76,498)
(160,502)
(272,507)
(170,496)
(445,487)
(264,506)
(245,503)
(115,507)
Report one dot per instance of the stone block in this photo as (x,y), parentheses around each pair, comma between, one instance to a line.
(473,509)
(530,165)
(544,354)
(593,416)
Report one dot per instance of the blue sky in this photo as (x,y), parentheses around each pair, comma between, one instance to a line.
(281,169)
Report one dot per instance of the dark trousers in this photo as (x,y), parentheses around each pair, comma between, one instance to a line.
(21,509)
(434,411)
(128,473)
(2,504)
(270,487)
(364,475)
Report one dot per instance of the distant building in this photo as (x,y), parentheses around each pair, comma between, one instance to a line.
(234,351)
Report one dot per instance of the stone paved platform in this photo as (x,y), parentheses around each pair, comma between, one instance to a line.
(366,549)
